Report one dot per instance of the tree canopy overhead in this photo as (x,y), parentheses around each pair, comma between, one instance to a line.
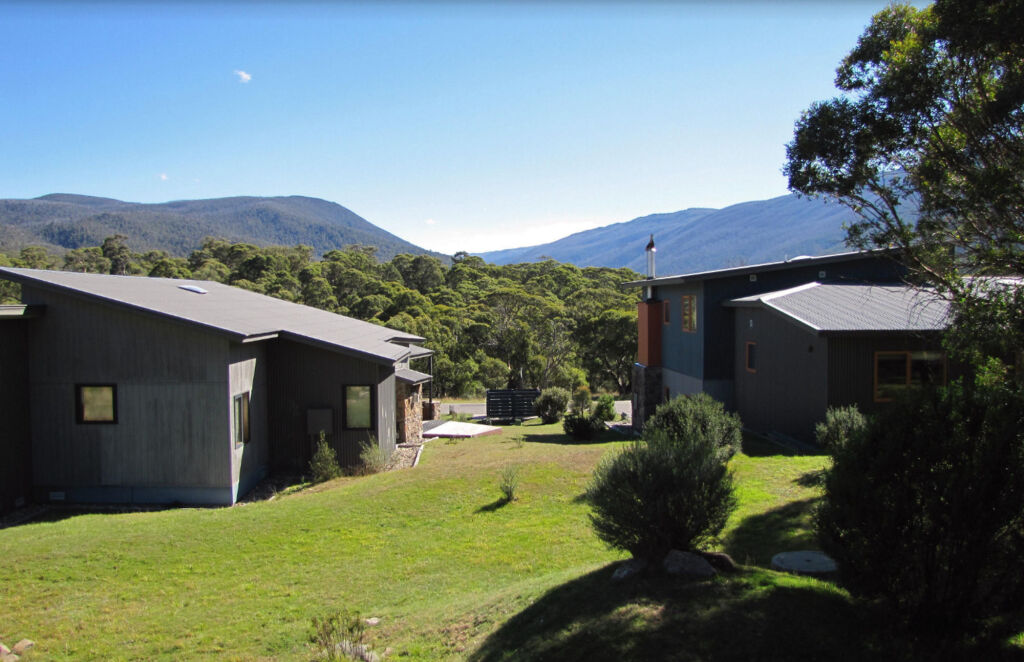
(926,144)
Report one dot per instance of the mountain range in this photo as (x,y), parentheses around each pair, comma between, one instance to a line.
(700,239)
(61,221)
(695,239)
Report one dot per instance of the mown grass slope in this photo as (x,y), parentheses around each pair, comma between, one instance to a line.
(451,570)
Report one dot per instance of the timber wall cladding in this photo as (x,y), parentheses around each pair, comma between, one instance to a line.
(15,439)
(171,386)
(301,378)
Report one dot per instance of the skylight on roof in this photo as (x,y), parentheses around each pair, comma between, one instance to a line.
(193,288)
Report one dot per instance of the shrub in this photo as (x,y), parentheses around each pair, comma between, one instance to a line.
(698,414)
(582,428)
(840,424)
(925,509)
(581,401)
(324,464)
(372,458)
(605,409)
(509,482)
(340,636)
(551,403)
(662,494)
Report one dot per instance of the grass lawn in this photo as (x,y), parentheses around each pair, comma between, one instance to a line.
(451,571)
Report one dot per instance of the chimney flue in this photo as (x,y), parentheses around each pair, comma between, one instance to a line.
(650,257)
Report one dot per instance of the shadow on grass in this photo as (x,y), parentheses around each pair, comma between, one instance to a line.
(783,529)
(755,446)
(565,440)
(754,615)
(811,478)
(493,506)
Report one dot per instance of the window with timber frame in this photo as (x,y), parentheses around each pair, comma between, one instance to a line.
(899,370)
(96,403)
(358,407)
(688,313)
(240,412)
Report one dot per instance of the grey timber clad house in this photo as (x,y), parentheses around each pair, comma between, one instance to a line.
(125,389)
(781,342)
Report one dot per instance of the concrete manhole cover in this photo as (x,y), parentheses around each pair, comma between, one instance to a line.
(807,562)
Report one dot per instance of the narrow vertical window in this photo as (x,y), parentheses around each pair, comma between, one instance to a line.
(96,403)
(665,313)
(241,416)
(688,313)
(751,357)
(358,407)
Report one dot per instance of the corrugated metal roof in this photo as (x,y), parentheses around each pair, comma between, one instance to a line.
(242,314)
(412,376)
(801,261)
(839,307)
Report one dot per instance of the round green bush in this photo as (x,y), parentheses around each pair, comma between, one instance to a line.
(839,426)
(662,494)
(582,427)
(550,405)
(925,509)
(698,414)
(605,409)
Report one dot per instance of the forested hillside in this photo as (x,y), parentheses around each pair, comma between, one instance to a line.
(62,221)
(537,324)
(701,239)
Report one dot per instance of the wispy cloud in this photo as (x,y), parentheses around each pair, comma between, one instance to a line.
(430,221)
(243,76)
(164,177)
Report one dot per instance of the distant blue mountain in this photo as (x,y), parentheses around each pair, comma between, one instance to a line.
(60,221)
(700,239)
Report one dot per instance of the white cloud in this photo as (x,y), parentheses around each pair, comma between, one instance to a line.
(243,76)
(430,221)
(164,177)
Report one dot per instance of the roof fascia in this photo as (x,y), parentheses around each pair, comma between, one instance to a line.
(754,268)
(348,351)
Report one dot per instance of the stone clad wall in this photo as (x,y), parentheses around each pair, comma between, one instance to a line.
(409,403)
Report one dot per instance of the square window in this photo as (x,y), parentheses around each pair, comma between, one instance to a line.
(358,407)
(240,410)
(96,403)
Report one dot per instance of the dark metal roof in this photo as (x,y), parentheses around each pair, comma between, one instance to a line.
(840,307)
(243,315)
(801,261)
(412,376)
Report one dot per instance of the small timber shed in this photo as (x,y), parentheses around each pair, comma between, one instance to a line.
(122,389)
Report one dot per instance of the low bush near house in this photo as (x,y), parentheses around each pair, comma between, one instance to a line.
(551,403)
(665,493)
(605,409)
(700,415)
(372,458)
(925,509)
(839,426)
(324,464)
(582,427)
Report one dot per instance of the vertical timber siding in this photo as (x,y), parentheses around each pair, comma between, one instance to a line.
(15,437)
(247,373)
(786,393)
(171,440)
(302,377)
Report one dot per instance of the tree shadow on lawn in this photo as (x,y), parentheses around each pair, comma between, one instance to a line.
(745,616)
(754,446)
(563,439)
(783,529)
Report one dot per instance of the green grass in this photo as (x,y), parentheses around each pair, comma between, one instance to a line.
(452,569)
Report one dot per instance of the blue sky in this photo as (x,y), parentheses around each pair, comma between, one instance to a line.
(457,126)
